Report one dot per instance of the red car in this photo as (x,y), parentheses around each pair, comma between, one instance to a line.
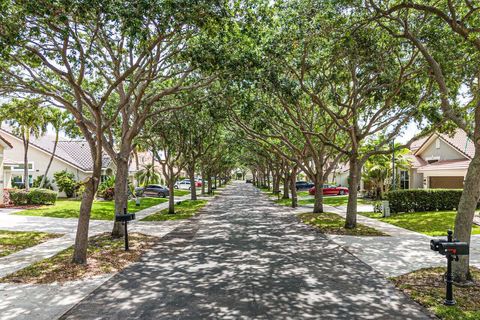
(330,190)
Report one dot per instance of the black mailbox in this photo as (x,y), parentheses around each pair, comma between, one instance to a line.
(124,217)
(454,248)
(434,244)
(451,249)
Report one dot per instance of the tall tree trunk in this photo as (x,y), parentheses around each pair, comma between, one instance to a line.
(318,205)
(353,182)
(209,182)
(81,237)
(171,191)
(44,179)
(215,182)
(203,182)
(121,193)
(466,211)
(286,180)
(26,144)
(293,187)
(193,187)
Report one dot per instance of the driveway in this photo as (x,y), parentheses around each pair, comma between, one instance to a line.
(246,258)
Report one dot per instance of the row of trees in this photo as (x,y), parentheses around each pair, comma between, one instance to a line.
(331,82)
(285,86)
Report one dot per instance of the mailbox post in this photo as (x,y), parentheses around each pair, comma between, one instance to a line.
(124,218)
(451,249)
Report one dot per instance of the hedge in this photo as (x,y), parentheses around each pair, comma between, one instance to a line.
(423,199)
(34,196)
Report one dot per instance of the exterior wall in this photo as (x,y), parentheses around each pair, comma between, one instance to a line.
(2,176)
(341,178)
(445,152)
(416,179)
(40,160)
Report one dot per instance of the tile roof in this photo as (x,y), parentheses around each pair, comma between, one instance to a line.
(445,165)
(74,152)
(460,142)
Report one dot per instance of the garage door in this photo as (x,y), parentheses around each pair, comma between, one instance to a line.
(446,182)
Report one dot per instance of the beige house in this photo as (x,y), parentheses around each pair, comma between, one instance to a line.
(440,161)
(71,155)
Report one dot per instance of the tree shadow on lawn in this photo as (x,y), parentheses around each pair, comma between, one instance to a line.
(101,210)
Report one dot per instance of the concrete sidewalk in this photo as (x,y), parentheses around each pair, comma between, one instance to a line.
(402,252)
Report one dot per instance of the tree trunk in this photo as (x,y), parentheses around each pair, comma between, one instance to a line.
(193,188)
(44,179)
(209,182)
(318,205)
(293,187)
(203,182)
(353,177)
(466,211)
(286,180)
(81,238)
(26,143)
(121,193)
(171,191)
(215,182)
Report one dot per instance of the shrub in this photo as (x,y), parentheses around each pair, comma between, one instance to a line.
(66,182)
(423,199)
(42,196)
(34,196)
(106,189)
(19,196)
(38,180)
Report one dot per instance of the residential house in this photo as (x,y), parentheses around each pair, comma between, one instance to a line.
(71,155)
(439,161)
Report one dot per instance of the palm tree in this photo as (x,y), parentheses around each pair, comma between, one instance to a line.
(59,120)
(27,117)
(378,171)
(148,175)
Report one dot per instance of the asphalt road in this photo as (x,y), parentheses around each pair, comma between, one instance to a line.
(246,258)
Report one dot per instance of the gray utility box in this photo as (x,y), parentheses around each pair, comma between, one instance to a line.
(385,209)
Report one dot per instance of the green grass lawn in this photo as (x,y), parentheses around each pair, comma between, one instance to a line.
(331,223)
(433,224)
(180,193)
(13,241)
(186,209)
(101,210)
(427,287)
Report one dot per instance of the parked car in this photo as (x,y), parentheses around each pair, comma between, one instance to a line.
(248,181)
(330,190)
(303,185)
(184,184)
(153,190)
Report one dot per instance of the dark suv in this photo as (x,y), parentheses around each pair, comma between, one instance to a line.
(153,190)
(303,185)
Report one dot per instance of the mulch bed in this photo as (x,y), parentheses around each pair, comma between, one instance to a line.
(105,255)
(427,287)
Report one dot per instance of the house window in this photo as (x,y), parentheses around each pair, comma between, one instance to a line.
(17,181)
(404,179)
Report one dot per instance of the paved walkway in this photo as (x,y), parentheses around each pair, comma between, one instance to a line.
(246,258)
